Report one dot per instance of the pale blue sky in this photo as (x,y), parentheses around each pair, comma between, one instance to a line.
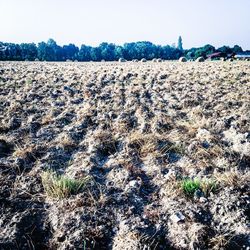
(91,22)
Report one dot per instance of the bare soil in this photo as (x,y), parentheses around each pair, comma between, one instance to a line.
(138,130)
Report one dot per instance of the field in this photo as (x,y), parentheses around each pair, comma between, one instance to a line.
(131,155)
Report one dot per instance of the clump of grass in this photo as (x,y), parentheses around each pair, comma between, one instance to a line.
(59,186)
(190,186)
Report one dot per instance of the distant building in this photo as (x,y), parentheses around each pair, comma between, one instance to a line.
(216,55)
(243,55)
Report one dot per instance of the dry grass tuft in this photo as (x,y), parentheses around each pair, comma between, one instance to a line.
(66,141)
(22,152)
(154,145)
(219,241)
(144,144)
(172,188)
(232,178)
(58,186)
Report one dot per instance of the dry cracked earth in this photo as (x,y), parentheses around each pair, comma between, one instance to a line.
(137,131)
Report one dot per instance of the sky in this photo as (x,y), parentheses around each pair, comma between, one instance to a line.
(199,22)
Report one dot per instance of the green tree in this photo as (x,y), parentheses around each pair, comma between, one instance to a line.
(28,51)
(70,52)
(237,49)
(179,46)
(12,52)
(45,52)
(119,52)
(204,51)
(107,51)
(225,50)
(139,50)
(84,53)
(57,51)
(95,54)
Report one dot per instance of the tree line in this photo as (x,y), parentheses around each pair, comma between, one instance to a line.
(51,51)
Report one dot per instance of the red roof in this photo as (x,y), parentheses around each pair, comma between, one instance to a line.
(217,54)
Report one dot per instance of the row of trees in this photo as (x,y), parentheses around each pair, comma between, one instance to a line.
(51,51)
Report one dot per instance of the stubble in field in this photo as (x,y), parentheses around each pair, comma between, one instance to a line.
(164,147)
